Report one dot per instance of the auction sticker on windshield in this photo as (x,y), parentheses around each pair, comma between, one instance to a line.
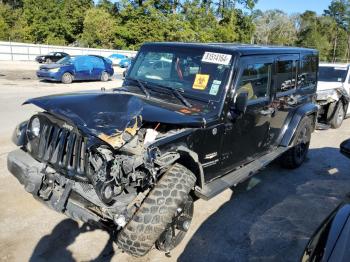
(200,82)
(216,58)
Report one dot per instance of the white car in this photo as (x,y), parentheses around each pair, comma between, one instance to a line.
(333,91)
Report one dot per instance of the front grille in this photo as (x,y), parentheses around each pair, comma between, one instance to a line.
(61,148)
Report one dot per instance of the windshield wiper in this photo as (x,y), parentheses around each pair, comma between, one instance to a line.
(176,93)
(141,86)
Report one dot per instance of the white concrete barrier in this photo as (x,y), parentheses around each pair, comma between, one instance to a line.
(24,51)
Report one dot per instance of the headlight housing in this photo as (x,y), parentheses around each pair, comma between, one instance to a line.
(35,126)
(54,70)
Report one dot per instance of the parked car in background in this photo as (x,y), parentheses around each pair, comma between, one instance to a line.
(331,241)
(333,91)
(51,57)
(124,63)
(85,67)
(117,58)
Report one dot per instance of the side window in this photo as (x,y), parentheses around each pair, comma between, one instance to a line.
(58,54)
(255,80)
(285,75)
(307,77)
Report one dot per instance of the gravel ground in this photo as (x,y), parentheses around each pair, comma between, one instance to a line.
(269,218)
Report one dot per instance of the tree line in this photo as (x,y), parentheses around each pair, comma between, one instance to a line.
(126,24)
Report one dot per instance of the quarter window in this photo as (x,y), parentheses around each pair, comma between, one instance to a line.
(255,80)
(285,75)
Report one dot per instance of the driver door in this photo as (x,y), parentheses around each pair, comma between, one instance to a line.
(247,136)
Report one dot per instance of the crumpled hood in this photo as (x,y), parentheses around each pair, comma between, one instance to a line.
(328,85)
(109,114)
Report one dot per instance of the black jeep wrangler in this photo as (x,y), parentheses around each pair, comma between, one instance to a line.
(190,120)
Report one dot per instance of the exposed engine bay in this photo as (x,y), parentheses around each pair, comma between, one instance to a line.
(109,182)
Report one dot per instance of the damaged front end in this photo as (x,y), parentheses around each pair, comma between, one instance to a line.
(101,178)
(328,100)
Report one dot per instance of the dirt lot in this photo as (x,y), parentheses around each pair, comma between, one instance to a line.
(268,219)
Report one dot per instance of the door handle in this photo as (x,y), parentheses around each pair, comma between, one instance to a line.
(268,111)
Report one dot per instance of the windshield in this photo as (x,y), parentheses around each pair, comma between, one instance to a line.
(193,72)
(332,74)
(66,60)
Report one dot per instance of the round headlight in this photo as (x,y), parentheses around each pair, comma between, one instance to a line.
(35,126)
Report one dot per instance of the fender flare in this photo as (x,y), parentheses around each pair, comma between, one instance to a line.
(193,156)
(291,127)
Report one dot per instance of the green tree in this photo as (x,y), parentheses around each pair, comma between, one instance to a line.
(99,29)
(72,17)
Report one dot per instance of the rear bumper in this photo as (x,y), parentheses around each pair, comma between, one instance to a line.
(31,174)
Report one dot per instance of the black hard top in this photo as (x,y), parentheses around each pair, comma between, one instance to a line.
(242,49)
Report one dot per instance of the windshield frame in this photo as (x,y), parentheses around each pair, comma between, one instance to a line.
(334,68)
(219,98)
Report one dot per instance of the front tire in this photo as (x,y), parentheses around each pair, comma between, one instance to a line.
(296,155)
(338,116)
(157,212)
(67,78)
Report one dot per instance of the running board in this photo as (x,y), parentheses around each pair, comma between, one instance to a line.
(218,185)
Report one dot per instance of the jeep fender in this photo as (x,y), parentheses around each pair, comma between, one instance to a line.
(176,143)
(290,127)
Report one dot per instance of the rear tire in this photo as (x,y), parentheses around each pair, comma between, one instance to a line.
(104,76)
(157,211)
(338,116)
(67,78)
(48,61)
(296,155)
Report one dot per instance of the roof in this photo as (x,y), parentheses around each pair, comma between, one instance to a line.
(243,49)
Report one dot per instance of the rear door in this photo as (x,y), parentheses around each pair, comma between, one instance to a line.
(98,67)
(285,96)
(83,68)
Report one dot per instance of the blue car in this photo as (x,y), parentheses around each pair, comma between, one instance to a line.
(84,67)
(124,63)
(116,58)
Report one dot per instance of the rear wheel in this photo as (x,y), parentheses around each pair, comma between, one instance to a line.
(296,155)
(338,116)
(167,208)
(49,61)
(67,78)
(104,76)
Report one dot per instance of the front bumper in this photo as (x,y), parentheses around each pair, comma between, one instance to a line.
(31,174)
(41,74)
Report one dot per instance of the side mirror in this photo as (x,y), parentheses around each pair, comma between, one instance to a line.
(345,148)
(241,103)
